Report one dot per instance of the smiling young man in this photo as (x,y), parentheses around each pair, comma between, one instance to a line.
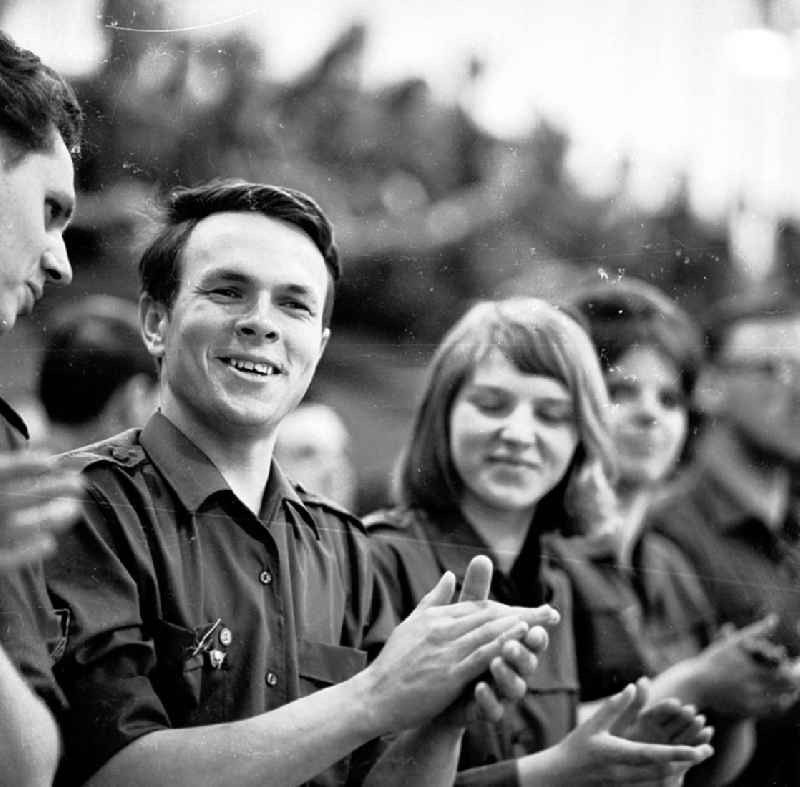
(220,617)
(40,124)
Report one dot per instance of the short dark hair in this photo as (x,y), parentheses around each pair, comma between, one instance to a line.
(93,347)
(538,338)
(631,313)
(159,267)
(724,315)
(34,100)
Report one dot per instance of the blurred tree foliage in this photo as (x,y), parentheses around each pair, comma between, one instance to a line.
(430,210)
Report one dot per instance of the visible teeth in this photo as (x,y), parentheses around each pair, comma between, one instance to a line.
(250,366)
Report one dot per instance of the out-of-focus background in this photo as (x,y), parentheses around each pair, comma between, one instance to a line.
(463,150)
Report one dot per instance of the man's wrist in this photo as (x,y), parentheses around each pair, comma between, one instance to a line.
(368,708)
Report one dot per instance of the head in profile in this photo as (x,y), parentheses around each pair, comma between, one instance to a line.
(96,376)
(40,132)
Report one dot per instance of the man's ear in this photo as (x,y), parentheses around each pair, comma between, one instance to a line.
(153,323)
(326,335)
(709,391)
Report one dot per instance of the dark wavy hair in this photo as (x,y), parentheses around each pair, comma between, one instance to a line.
(35,100)
(159,266)
(538,338)
(631,313)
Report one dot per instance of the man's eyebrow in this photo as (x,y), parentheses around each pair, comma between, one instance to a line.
(300,289)
(229,274)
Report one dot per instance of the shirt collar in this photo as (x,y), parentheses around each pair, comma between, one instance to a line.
(194,477)
(280,491)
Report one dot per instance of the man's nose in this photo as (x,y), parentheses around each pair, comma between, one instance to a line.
(259,322)
(56,266)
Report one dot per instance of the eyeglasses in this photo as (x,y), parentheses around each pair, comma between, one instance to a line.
(785,371)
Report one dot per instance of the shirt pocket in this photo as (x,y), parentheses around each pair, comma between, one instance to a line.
(189,679)
(321,664)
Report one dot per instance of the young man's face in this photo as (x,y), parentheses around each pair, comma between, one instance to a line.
(244,335)
(760,374)
(37,197)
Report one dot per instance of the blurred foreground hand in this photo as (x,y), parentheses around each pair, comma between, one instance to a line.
(38,499)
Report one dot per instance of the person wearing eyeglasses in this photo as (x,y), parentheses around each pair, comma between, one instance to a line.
(731,514)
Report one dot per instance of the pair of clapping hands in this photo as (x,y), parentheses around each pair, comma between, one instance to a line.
(746,674)
(494,650)
(38,499)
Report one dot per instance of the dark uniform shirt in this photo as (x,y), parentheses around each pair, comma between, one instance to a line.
(748,570)
(187,609)
(412,551)
(631,621)
(30,632)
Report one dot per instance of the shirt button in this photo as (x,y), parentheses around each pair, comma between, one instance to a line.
(272,679)
(265,577)
(225,637)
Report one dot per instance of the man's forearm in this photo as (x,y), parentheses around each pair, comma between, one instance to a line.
(283,747)
(29,743)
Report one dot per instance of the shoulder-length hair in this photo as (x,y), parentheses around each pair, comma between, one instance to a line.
(538,338)
(624,315)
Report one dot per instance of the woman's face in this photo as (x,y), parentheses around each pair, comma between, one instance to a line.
(512,435)
(648,415)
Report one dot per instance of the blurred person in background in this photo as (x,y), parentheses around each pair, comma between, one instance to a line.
(40,126)
(96,377)
(313,449)
(220,618)
(507,443)
(731,513)
(639,607)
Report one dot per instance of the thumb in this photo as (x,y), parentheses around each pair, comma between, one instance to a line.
(629,714)
(761,628)
(477,579)
(611,710)
(440,594)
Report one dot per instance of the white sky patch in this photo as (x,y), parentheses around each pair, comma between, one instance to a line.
(675,87)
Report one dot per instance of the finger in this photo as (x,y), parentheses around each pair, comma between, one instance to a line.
(38,547)
(521,659)
(28,463)
(24,492)
(537,640)
(631,711)
(477,580)
(439,595)
(676,720)
(489,707)
(636,753)
(693,736)
(544,615)
(54,515)
(760,628)
(474,651)
(507,683)
(610,710)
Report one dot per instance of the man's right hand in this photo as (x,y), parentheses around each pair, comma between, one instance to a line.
(438,651)
(38,499)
